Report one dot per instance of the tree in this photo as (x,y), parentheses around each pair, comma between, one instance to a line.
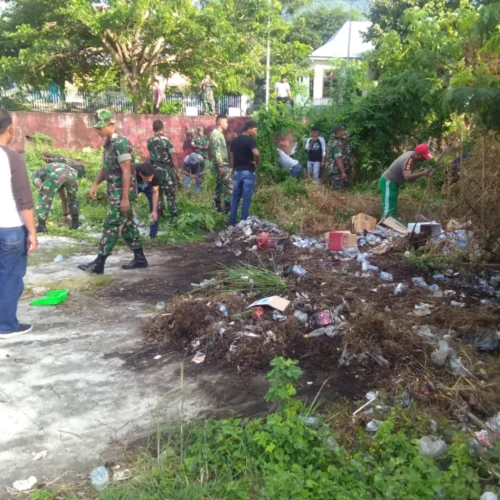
(97,44)
(316,27)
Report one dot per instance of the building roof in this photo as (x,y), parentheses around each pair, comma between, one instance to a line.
(338,45)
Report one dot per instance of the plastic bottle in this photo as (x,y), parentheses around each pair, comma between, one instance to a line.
(386,276)
(223,310)
(400,289)
(433,288)
(366,267)
(420,282)
(315,333)
(99,477)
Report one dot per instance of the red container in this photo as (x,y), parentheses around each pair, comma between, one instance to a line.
(339,240)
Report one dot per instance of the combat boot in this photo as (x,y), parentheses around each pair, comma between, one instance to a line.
(96,266)
(218,206)
(139,261)
(41,228)
(75,223)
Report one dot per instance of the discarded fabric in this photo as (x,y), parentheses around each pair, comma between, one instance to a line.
(24,484)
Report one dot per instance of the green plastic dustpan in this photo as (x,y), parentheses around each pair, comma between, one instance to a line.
(51,298)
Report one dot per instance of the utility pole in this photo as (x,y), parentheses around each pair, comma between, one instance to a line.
(350,23)
(268,59)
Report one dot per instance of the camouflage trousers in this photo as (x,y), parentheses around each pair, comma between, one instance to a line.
(48,190)
(168,181)
(208,105)
(223,185)
(117,223)
(335,177)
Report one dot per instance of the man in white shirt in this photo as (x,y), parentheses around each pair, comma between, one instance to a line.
(283,92)
(286,161)
(17,230)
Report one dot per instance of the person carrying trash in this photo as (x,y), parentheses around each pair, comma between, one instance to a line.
(400,172)
(57,178)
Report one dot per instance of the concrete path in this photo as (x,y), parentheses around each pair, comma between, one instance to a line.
(73,386)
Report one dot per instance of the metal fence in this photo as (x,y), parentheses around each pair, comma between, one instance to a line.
(119,102)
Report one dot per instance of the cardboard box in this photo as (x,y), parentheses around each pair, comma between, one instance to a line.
(340,240)
(361,222)
(394,224)
(275,302)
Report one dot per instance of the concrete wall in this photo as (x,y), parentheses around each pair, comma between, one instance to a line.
(74,130)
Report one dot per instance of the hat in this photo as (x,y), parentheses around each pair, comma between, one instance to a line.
(423,149)
(200,129)
(194,158)
(102,118)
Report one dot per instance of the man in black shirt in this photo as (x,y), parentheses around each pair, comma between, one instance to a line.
(148,183)
(244,158)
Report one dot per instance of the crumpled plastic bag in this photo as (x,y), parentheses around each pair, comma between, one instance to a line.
(441,354)
(430,446)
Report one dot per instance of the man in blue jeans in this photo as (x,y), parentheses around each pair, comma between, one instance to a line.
(244,159)
(17,230)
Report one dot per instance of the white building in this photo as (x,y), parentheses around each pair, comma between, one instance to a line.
(347,43)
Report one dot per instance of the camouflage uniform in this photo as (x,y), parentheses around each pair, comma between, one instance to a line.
(337,148)
(223,183)
(160,148)
(118,149)
(201,142)
(207,93)
(54,177)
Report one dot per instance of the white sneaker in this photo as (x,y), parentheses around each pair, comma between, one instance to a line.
(22,329)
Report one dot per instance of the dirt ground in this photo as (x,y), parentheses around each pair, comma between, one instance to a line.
(102,370)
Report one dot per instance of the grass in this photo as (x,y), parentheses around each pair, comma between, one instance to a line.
(249,278)
(284,455)
(82,283)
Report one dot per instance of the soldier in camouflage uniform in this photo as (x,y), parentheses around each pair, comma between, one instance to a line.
(207,94)
(57,178)
(200,143)
(119,173)
(336,163)
(220,164)
(164,159)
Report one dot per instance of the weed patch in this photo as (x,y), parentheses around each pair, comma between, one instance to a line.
(293,454)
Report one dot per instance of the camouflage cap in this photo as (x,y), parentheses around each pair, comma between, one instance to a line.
(102,118)
(200,129)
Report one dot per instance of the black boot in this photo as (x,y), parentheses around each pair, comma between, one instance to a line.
(75,223)
(41,228)
(139,261)
(227,207)
(96,266)
(218,206)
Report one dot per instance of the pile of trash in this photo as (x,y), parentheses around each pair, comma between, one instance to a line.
(228,328)
(254,233)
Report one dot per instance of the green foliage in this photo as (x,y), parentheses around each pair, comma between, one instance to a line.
(273,122)
(98,45)
(248,278)
(43,495)
(287,455)
(41,139)
(283,380)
